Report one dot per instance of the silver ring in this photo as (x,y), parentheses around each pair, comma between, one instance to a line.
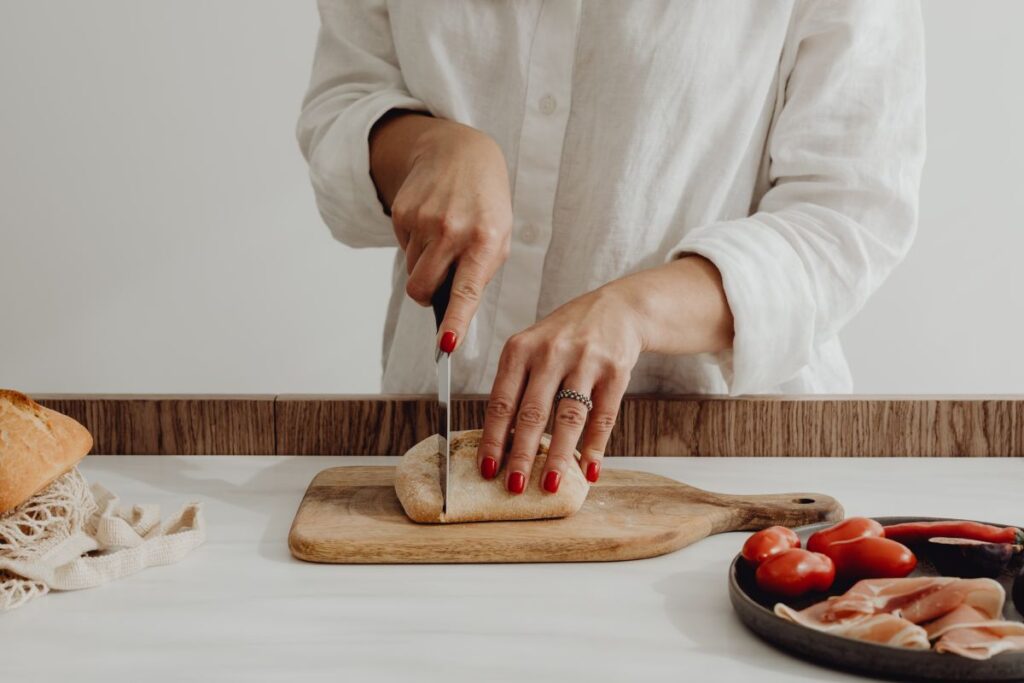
(576,396)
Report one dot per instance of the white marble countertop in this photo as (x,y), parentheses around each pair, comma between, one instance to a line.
(240,608)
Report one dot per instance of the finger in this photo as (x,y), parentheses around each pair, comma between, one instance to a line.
(607,398)
(430,270)
(531,418)
(501,408)
(413,251)
(400,222)
(570,418)
(403,237)
(475,269)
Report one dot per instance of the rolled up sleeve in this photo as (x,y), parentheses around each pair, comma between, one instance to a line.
(355,81)
(845,154)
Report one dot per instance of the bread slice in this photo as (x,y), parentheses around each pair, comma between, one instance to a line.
(473,498)
(37,445)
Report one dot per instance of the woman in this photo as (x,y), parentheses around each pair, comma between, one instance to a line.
(653,196)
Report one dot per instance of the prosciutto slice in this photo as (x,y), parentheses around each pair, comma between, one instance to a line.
(964,616)
(881,628)
(872,596)
(969,632)
(984,595)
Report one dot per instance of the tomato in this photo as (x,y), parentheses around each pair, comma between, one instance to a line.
(846,530)
(795,572)
(768,542)
(871,557)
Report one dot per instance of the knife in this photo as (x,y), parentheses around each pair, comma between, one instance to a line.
(444,384)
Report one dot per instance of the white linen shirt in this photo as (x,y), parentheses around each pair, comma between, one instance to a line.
(782,140)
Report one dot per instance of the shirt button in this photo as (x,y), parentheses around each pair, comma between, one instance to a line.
(547,104)
(528,234)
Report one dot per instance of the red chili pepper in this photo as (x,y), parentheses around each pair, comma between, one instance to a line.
(911,532)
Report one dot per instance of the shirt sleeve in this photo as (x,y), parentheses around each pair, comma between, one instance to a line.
(845,155)
(356,80)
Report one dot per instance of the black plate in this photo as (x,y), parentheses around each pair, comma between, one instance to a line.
(755,610)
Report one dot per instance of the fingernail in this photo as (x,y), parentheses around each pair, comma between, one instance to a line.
(489,468)
(551,480)
(593,471)
(448,341)
(516,482)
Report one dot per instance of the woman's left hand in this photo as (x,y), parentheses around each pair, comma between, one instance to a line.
(590,346)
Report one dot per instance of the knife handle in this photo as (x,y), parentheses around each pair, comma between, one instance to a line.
(441,297)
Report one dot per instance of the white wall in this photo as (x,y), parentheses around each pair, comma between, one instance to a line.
(157,232)
(951,318)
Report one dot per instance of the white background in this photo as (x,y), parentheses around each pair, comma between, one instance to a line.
(158,234)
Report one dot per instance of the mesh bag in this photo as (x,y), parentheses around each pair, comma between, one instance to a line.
(71,536)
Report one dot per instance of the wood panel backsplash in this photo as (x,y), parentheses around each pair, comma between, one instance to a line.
(830,426)
(172,425)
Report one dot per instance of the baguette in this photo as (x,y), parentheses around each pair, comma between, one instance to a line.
(37,445)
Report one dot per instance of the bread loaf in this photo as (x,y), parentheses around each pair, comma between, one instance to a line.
(473,498)
(37,445)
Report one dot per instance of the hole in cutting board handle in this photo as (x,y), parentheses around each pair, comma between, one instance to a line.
(803,501)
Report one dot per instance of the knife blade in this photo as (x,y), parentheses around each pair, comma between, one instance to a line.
(439,302)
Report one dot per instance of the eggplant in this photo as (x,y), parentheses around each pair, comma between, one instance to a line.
(1018,592)
(971,559)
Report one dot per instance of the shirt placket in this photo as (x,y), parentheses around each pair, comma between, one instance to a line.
(548,95)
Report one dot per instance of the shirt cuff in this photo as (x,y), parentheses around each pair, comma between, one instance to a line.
(340,172)
(770,297)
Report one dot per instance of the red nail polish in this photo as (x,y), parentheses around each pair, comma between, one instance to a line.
(593,471)
(516,482)
(489,468)
(448,341)
(551,481)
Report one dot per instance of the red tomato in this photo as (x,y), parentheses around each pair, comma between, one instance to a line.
(846,530)
(871,557)
(795,572)
(768,542)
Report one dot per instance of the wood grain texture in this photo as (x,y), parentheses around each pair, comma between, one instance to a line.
(355,425)
(172,425)
(830,426)
(689,425)
(824,426)
(351,515)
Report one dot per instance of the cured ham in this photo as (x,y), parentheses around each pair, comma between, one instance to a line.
(969,632)
(963,616)
(884,595)
(985,595)
(881,628)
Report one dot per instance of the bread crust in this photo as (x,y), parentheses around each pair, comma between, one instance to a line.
(473,498)
(37,445)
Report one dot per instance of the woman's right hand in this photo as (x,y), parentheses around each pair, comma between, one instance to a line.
(447,186)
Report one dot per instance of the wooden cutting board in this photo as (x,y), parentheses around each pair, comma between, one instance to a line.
(351,515)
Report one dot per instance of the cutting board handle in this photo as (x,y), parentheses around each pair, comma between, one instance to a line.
(749,513)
